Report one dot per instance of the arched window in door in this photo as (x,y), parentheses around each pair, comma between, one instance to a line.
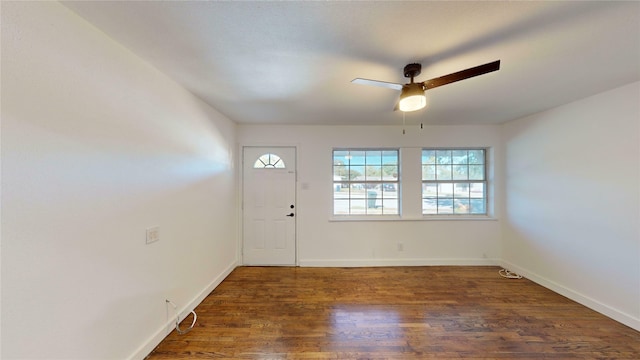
(269,161)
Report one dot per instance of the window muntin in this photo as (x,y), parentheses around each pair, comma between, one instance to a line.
(454,182)
(269,161)
(366,182)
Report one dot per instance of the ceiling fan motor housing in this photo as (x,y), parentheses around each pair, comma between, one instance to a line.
(412,70)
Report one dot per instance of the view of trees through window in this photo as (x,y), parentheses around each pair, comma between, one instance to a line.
(454,181)
(365,181)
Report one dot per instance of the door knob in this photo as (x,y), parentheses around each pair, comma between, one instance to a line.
(291,215)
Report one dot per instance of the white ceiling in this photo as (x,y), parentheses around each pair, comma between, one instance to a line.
(292,62)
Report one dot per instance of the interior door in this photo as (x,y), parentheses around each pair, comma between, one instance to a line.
(269,207)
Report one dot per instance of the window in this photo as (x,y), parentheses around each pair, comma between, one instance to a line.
(269,161)
(365,181)
(454,181)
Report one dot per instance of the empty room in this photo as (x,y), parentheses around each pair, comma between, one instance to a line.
(320,180)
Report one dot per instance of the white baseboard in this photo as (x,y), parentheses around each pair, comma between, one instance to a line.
(593,304)
(161,333)
(396,262)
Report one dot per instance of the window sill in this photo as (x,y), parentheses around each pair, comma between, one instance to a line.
(458,218)
(347,218)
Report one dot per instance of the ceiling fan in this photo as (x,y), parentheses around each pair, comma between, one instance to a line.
(412,95)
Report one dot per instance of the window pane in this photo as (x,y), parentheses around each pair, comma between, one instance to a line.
(445,190)
(389,172)
(477,206)
(476,172)
(389,190)
(341,206)
(443,172)
(460,172)
(357,190)
(264,158)
(390,157)
(459,156)
(429,190)
(476,156)
(461,206)
(428,172)
(461,190)
(340,172)
(373,173)
(443,156)
(476,190)
(429,206)
(373,199)
(445,206)
(374,157)
(428,156)
(357,206)
(357,157)
(340,157)
(356,173)
(390,206)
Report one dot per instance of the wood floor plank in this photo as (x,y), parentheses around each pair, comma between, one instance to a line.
(434,312)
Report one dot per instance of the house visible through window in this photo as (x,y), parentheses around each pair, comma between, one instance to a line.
(365,181)
(454,181)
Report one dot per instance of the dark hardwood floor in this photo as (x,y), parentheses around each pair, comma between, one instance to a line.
(437,312)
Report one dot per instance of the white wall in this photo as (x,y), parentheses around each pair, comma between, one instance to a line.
(572,205)
(97,146)
(323,242)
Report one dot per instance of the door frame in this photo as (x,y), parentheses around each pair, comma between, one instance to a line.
(295,148)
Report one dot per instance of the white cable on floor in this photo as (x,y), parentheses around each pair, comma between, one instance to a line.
(193,323)
(508,274)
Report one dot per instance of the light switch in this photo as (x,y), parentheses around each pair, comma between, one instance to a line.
(153,234)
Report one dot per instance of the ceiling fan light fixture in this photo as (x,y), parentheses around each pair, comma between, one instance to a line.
(412,98)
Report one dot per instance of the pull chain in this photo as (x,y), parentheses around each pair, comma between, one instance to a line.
(403,122)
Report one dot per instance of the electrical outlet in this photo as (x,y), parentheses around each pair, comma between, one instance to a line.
(153,234)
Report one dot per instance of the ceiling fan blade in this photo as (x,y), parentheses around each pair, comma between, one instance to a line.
(383,84)
(462,75)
